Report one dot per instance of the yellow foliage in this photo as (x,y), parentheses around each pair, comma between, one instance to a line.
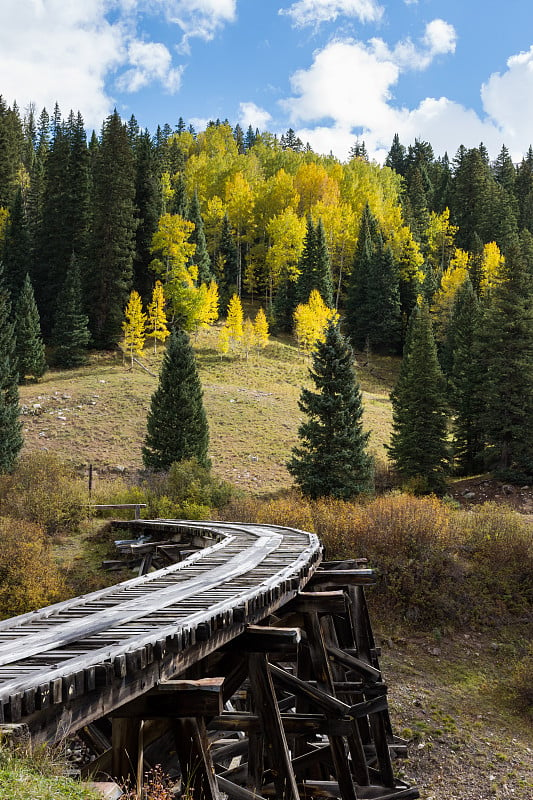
(248,336)
(310,321)
(29,577)
(261,328)
(491,263)
(286,233)
(167,191)
(208,312)
(314,185)
(223,340)
(156,325)
(4,220)
(451,281)
(440,235)
(234,319)
(134,325)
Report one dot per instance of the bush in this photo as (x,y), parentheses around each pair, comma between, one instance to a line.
(437,566)
(411,544)
(29,577)
(187,491)
(44,490)
(498,549)
(289,509)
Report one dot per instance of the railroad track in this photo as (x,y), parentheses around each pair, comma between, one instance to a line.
(156,624)
(246,667)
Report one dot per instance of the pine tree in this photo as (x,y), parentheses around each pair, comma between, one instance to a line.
(418,442)
(227,281)
(17,247)
(314,265)
(331,459)
(70,334)
(506,342)
(10,426)
(466,383)
(134,326)
(373,310)
(29,347)
(147,209)
(108,282)
(176,425)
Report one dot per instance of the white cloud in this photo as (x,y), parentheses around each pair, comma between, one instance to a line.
(313,12)
(439,39)
(198,18)
(51,50)
(250,114)
(506,97)
(348,92)
(151,61)
(71,51)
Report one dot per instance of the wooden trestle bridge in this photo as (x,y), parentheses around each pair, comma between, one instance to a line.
(243,663)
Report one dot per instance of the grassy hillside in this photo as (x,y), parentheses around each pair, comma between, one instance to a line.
(97,414)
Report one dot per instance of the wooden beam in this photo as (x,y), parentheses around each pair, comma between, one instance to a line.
(127,755)
(275,741)
(192,746)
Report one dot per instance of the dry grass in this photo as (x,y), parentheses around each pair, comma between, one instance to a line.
(97,414)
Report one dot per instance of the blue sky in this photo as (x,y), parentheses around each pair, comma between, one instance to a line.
(454,72)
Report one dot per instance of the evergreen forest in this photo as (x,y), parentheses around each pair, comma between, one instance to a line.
(429,257)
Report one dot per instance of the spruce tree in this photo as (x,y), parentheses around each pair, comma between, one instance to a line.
(227,281)
(10,426)
(147,206)
(108,282)
(418,442)
(71,329)
(29,347)
(466,382)
(373,310)
(17,247)
(176,425)
(332,459)
(506,342)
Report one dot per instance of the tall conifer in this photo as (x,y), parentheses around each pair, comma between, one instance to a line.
(70,334)
(29,347)
(506,341)
(418,442)
(10,426)
(177,425)
(108,282)
(331,459)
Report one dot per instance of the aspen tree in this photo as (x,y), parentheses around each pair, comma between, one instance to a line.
(156,323)
(134,326)
(261,328)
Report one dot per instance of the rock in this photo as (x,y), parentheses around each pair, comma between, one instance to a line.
(469,495)
(508,489)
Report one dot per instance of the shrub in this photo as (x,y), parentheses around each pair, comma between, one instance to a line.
(44,490)
(289,509)
(410,542)
(188,491)
(29,577)
(498,548)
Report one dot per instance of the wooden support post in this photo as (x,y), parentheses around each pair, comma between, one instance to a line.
(324,678)
(127,751)
(274,735)
(197,770)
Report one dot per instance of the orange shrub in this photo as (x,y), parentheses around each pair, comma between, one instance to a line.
(29,577)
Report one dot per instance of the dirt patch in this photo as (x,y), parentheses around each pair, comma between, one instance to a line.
(484,489)
(449,697)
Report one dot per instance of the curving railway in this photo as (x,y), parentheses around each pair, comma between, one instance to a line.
(240,662)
